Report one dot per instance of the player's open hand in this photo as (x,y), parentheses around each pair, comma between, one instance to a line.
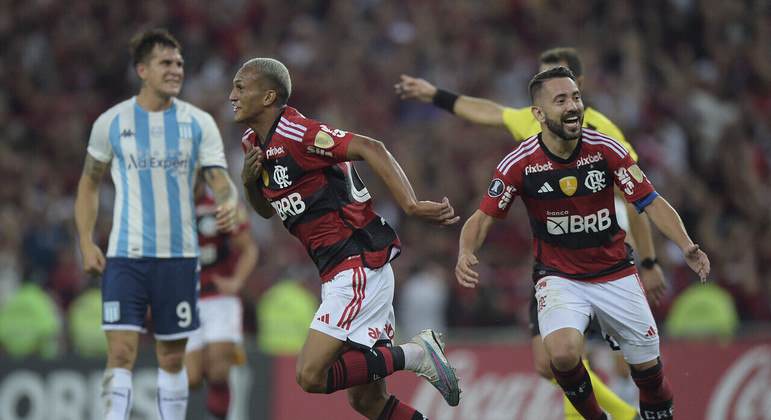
(415,88)
(252,163)
(435,213)
(466,276)
(698,261)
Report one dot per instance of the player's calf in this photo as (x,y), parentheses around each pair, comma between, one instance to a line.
(656,397)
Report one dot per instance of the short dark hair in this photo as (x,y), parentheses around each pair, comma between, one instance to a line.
(568,55)
(142,44)
(536,83)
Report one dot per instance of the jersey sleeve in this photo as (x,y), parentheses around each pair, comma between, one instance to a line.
(323,146)
(99,142)
(212,151)
(499,195)
(520,123)
(631,180)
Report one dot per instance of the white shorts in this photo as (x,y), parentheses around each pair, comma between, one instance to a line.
(619,305)
(221,322)
(357,306)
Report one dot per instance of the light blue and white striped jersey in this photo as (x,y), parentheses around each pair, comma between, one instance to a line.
(153,158)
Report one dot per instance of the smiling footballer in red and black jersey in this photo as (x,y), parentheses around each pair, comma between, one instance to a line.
(302,171)
(305,168)
(570,202)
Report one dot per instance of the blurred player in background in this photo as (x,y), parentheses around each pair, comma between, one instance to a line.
(227,260)
(522,124)
(152,144)
(302,170)
(583,269)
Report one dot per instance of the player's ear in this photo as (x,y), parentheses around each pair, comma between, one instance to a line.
(538,113)
(141,69)
(270,97)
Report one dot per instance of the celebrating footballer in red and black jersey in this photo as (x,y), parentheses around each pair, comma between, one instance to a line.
(302,170)
(319,196)
(570,203)
(583,269)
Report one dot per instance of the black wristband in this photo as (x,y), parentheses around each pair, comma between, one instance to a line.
(648,263)
(445,100)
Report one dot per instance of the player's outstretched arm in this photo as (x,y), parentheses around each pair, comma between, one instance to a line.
(390,172)
(476,110)
(668,221)
(472,236)
(640,229)
(86,211)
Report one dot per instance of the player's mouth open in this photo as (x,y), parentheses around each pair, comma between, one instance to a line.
(572,122)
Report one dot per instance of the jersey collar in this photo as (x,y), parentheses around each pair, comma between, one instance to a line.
(573,156)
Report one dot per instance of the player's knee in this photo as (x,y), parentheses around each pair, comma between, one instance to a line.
(218,370)
(121,355)
(311,381)
(171,362)
(565,359)
(194,378)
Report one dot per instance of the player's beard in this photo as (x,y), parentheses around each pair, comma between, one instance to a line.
(556,127)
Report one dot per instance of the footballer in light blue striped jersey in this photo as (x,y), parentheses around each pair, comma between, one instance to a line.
(153,144)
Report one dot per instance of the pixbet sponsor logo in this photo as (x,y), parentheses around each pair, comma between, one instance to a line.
(587,160)
(531,169)
(274,152)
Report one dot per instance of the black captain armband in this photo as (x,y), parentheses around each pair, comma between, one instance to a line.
(648,263)
(445,100)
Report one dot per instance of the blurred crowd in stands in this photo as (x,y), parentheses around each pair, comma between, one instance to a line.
(687,81)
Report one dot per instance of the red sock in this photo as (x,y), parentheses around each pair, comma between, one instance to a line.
(396,410)
(578,388)
(656,397)
(359,367)
(218,399)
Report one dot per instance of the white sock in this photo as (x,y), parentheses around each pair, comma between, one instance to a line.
(413,355)
(172,394)
(116,394)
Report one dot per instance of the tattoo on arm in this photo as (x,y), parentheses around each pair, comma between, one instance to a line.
(94,169)
(218,181)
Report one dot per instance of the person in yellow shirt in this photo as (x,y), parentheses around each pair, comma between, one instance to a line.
(522,124)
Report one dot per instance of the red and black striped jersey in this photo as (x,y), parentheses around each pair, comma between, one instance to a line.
(319,196)
(570,204)
(218,255)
